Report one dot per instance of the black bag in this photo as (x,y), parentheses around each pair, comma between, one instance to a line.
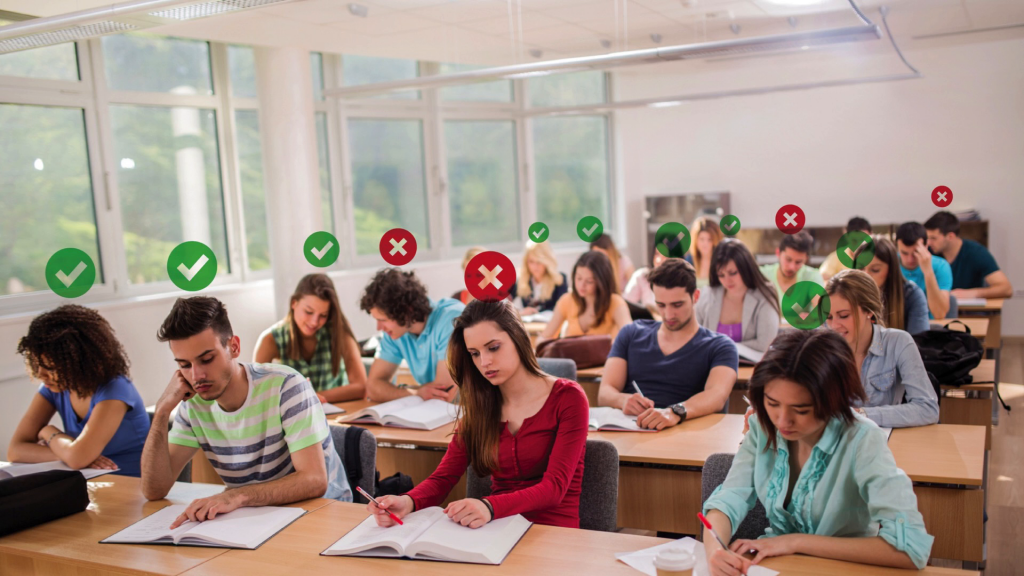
(353,462)
(30,500)
(949,355)
(394,485)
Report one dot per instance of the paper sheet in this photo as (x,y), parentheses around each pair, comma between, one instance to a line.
(643,560)
(9,470)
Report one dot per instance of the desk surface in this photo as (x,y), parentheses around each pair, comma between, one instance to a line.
(942,453)
(978,326)
(991,305)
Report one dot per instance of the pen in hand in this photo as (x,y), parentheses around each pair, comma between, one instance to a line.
(377,504)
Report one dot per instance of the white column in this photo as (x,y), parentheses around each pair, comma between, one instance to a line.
(190,168)
(291,179)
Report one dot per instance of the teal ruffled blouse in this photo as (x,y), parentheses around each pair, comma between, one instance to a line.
(849,487)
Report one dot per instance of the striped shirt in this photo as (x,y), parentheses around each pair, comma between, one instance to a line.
(318,369)
(254,444)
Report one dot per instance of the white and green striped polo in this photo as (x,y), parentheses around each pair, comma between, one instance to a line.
(253,444)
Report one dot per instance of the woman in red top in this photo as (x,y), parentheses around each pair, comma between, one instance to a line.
(524,428)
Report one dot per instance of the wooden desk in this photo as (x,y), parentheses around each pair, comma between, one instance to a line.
(993,310)
(971,404)
(590,380)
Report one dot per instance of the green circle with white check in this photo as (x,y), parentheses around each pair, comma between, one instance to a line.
(672,240)
(805,305)
(855,249)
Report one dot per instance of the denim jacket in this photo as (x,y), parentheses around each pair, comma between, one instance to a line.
(893,368)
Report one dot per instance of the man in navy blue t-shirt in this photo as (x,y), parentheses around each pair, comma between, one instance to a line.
(670,371)
(975,272)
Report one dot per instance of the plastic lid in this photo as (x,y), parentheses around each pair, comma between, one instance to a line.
(674,559)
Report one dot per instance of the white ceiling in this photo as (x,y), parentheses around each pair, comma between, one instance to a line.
(506,31)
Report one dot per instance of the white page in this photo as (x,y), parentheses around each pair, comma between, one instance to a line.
(331,409)
(643,560)
(429,414)
(381,410)
(246,527)
(9,470)
(605,416)
(153,527)
(976,302)
(544,317)
(367,534)
(489,543)
(748,353)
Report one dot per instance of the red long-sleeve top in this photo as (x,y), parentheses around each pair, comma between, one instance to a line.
(540,467)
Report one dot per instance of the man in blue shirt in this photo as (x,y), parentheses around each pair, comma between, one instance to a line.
(931,273)
(975,272)
(670,371)
(415,329)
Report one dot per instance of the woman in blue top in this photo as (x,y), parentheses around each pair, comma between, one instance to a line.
(84,374)
(824,474)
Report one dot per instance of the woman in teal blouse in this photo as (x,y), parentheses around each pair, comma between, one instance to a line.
(824,474)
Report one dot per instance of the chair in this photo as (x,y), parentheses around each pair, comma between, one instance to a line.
(954,307)
(366,476)
(558,367)
(599,491)
(186,472)
(716,468)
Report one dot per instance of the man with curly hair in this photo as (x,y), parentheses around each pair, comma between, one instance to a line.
(83,371)
(415,329)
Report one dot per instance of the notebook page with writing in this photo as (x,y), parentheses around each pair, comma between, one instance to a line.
(488,544)
(245,527)
(153,528)
(368,536)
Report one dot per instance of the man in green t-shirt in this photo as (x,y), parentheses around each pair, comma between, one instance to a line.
(793,253)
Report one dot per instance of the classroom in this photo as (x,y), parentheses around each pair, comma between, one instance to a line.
(672,287)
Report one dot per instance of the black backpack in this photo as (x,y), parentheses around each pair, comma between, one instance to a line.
(949,355)
(33,499)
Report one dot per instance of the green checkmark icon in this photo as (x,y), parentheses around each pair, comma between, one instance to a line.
(70,273)
(730,225)
(805,305)
(589,228)
(321,249)
(672,240)
(855,249)
(538,232)
(192,266)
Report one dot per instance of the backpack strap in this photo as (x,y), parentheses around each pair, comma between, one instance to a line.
(353,462)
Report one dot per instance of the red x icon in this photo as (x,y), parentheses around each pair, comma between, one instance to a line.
(397,247)
(790,219)
(489,276)
(942,196)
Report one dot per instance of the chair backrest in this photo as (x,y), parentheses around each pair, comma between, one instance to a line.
(365,475)
(558,367)
(599,490)
(716,468)
(954,307)
(186,472)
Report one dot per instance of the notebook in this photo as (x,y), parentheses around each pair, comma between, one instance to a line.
(409,412)
(429,534)
(245,528)
(972,302)
(331,409)
(643,560)
(748,355)
(9,470)
(614,420)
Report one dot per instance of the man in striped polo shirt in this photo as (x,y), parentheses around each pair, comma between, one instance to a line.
(260,425)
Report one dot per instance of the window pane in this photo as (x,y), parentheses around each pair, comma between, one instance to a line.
(573,89)
(170,185)
(324,162)
(572,172)
(150,63)
(316,62)
(254,202)
(497,91)
(388,181)
(360,70)
(482,181)
(243,71)
(46,197)
(58,62)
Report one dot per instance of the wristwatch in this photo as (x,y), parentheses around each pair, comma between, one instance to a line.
(680,410)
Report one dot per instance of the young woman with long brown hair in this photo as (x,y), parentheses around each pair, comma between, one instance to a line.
(906,307)
(593,307)
(315,339)
(705,235)
(622,266)
(524,428)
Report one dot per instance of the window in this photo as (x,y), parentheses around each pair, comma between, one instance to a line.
(572,178)
(497,91)
(389,187)
(58,62)
(482,189)
(254,201)
(46,198)
(170,185)
(324,164)
(149,63)
(572,89)
(242,69)
(369,70)
(316,63)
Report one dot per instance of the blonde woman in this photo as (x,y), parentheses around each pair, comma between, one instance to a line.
(540,284)
(705,236)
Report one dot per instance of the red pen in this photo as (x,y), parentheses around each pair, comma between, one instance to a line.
(374,500)
(704,521)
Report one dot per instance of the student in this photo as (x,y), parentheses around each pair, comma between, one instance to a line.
(72,350)
(622,266)
(899,392)
(681,371)
(706,235)
(260,425)
(906,307)
(793,253)
(592,307)
(638,289)
(740,302)
(975,272)
(314,339)
(929,272)
(832,264)
(416,330)
(463,295)
(825,475)
(524,428)
(540,287)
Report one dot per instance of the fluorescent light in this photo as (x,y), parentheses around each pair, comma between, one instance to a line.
(668,104)
(529,75)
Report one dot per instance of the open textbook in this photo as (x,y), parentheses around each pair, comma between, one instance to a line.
(9,470)
(643,560)
(429,534)
(245,528)
(748,355)
(409,412)
(614,420)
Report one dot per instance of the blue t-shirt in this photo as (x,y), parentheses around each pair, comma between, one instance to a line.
(125,448)
(943,276)
(678,376)
(972,264)
(422,352)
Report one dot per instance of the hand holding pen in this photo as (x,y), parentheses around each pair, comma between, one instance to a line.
(637,403)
